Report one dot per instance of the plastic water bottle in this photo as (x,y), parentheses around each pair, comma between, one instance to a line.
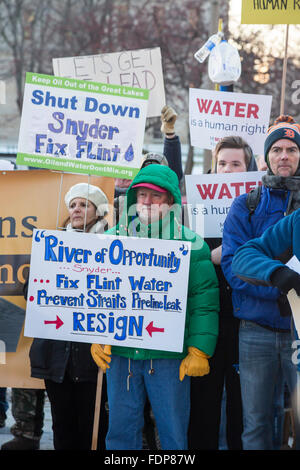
(205,50)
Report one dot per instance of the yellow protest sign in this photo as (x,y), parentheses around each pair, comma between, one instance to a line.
(270,12)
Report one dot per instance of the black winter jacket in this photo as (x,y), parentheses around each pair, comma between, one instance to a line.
(52,359)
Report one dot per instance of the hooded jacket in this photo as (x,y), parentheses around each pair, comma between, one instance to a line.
(253,303)
(226,309)
(201,325)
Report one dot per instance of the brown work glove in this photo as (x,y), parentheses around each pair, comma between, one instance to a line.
(101,355)
(195,364)
(168,118)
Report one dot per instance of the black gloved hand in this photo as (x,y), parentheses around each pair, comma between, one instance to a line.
(284,306)
(286,279)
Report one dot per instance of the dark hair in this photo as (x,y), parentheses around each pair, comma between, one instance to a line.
(234,142)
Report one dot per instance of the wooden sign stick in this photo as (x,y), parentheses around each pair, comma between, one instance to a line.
(284,70)
(97,409)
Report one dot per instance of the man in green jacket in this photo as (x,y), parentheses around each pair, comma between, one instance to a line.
(153,210)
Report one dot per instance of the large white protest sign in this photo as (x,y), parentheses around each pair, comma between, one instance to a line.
(141,68)
(82,127)
(209,198)
(108,290)
(216,114)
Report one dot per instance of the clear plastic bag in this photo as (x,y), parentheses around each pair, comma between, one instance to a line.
(224,64)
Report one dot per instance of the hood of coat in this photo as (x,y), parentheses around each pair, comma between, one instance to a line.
(161,176)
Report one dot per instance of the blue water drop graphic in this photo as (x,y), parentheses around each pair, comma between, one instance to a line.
(129,154)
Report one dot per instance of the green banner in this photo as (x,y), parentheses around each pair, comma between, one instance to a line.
(86,86)
(72,166)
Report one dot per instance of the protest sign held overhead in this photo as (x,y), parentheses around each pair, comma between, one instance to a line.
(209,198)
(140,68)
(119,291)
(216,114)
(270,12)
(82,127)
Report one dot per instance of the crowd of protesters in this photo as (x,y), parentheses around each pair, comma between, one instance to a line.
(239,325)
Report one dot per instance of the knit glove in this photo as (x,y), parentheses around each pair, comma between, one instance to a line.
(284,306)
(194,364)
(101,355)
(285,279)
(168,118)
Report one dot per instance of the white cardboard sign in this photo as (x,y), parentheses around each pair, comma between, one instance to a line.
(209,198)
(82,127)
(140,68)
(108,290)
(216,114)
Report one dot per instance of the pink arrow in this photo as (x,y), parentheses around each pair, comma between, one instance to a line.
(152,329)
(58,322)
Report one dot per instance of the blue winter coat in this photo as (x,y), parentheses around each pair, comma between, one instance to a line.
(251,302)
(258,258)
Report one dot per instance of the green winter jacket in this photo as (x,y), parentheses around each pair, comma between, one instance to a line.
(201,326)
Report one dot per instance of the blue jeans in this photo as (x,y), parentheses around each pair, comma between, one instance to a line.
(169,399)
(262,354)
(278,412)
